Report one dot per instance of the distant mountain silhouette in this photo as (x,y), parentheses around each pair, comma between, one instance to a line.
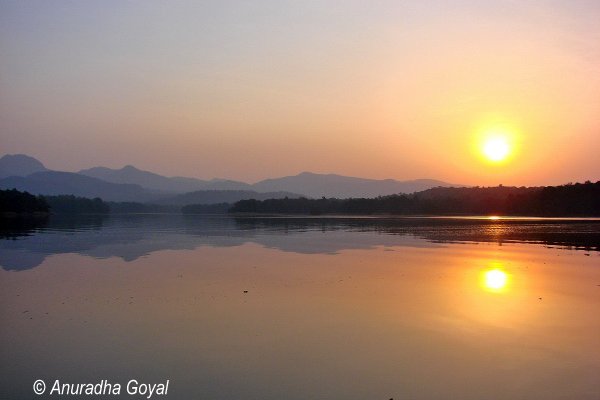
(331,185)
(222,196)
(226,184)
(150,180)
(307,183)
(69,183)
(130,174)
(132,184)
(19,165)
(55,183)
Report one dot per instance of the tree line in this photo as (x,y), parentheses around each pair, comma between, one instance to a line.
(580,199)
(14,201)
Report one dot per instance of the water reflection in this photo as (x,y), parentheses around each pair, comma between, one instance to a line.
(25,244)
(262,310)
(495,279)
(14,228)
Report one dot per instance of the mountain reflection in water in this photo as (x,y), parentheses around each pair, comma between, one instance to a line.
(25,243)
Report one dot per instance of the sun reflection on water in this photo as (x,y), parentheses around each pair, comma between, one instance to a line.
(495,279)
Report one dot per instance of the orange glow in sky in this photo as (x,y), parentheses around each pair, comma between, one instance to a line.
(251,90)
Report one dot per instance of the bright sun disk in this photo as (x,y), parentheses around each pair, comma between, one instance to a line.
(496,149)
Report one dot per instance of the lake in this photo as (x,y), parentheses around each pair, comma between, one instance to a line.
(303,308)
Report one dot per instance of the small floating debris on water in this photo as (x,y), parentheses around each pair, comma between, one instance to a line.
(26,311)
(245,291)
(539,298)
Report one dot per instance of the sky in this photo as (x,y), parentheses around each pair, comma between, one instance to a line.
(248,90)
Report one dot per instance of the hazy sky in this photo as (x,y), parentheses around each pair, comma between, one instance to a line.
(254,89)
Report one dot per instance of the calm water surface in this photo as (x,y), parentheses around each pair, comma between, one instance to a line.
(303,308)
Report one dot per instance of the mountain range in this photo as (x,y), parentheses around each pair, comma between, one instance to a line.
(132,184)
(150,180)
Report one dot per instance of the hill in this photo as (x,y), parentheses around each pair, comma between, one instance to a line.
(131,175)
(143,186)
(150,180)
(306,183)
(339,186)
(58,183)
(19,165)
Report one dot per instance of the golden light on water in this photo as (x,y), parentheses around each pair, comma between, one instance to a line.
(495,280)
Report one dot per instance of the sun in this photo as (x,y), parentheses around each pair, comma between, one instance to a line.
(496,142)
(496,148)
